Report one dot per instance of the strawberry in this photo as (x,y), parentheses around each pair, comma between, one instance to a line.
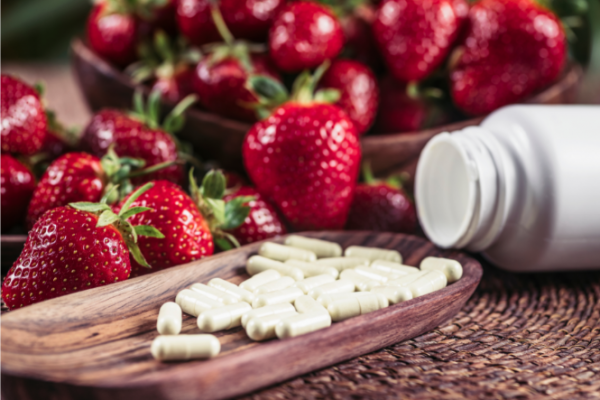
(304,35)
(359,94)
(158,16)
(359,39)
(415,37)
(512,49)
(22,120)
(18,184)
(59,139)
(73,248)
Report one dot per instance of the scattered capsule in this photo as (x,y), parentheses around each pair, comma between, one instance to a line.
(373,274)
(313,269)
(429,282)
(169,319)
(394,294)
(264,328)
(372,253)
(342,263)
(281,296)
(308,284)
(339,286)
(307,303)
(277,284)
(257,264)
(226,317)
(451,268)
(321,248)
(194,303)
(393,267)
(185,347)
(263,312)
(361,282)
(357,304)
(406,279)
(232,289)
(260,279)
(278,252)
(302,323)
(214,294)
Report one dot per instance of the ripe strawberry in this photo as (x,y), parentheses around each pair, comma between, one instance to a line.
(359,94)
(304,35)
(158,16)
(360,42)
(18,184)
(415,37)
(22,119)
(74,248)
(512,49)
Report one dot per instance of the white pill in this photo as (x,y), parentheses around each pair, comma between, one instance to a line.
(394,294)
(429,282)
(357,304)
(277,284)
(307,303)
(308,284)
(313,269)
(169,319)
(214,294)
(373,253)
(342,263)
(393,267)
(361,282)
(232,289)
(281,296)
(185,347)
(226,317)
(260,279)
(451,268)
(257,264)
(263,312)
(406,279)
(280,252)
(321,248)
(325,300)
(194,303)
(264,328)
(302,324)
(373,274)
(340,286)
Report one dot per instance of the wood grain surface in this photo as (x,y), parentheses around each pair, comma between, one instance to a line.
(96,344)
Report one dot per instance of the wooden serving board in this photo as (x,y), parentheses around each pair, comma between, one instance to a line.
(96,344)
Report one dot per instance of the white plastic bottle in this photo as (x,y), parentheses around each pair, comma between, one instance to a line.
(523,188)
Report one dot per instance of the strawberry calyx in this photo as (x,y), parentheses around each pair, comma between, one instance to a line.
(394,181)
(120,221)
(149,113)
(141,8)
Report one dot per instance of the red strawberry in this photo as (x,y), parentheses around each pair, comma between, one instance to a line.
(22,120)
(174,83)
(360,42)
(512,49)
(18,184)
(233,180)
(359,94)
(71,249)
(158,16)
(262,222)
(304,35)
(415,37)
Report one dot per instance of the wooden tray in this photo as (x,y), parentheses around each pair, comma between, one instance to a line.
(96,344)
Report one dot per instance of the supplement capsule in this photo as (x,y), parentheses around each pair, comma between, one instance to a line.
(342,263)
(278,252)
(372,253)
(361,282)
(339,286)
(185,347)
(263,312)
(307,303)
(277,284)
(357,304)
(325,300)
(321,248)
(264,328)
(313,269)
(232,289)
(194,303)
(394,294)
(406,279)
(260,279)
(308,284)
(169,319)
(302,324)
(373,274)
(214,294)
(226,317)
(429,282)
(451,268)
(281,296)
(257,264)
(393,267)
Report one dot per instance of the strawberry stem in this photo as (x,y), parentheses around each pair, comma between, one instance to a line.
(221,25)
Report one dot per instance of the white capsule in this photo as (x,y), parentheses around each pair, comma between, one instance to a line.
(307,303)
(194,303)
(372,253)
(313,269)
(339,286)
(260,279)
(257,264)
(214,294)
(169,319)
(342,263)
(406,279)
(361,282)
(451,268)
(345,307)
(226,317)
(373,274)
(321,248)
(308,284)
(264,328)
(232,289)
(429,282)
(277,284)
(185,347)
(281,296)
(393,267)
(278,252)
(394,294)
(263,312)
(302,324)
